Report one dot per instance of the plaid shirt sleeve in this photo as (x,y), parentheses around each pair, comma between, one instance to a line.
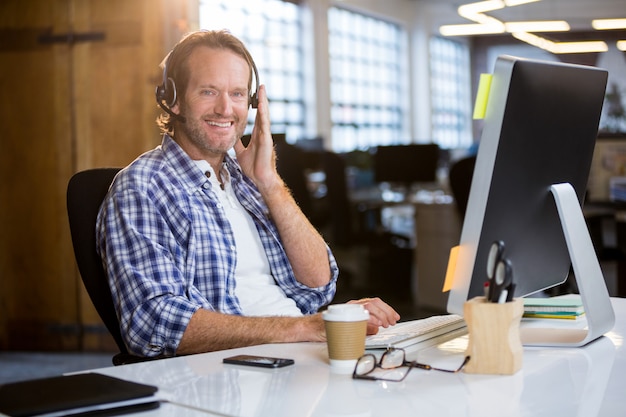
(147,271)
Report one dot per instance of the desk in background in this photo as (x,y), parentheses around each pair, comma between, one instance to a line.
(438,229)
(554,382)
(431,220)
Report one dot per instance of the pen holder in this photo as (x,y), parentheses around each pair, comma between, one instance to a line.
(494,345)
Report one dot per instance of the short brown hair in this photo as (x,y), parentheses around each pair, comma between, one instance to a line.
(179,72)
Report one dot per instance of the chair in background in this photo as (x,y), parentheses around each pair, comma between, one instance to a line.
(341,223)
(85,192)
(460,178)
(290,164)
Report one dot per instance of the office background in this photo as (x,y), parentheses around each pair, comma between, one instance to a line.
(78,79)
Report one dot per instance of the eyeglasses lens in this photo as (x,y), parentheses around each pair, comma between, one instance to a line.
(365,365)
(392,359)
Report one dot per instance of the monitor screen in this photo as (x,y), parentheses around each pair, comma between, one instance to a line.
(540,129)
(406,164)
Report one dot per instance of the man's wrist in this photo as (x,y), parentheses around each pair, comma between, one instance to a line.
(311,328)
(272,189)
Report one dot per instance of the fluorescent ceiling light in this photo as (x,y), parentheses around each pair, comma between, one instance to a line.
(534,40)
(608,24)
(581,47)
(511,3)
(483,19)
(537,26)
(470,29)
(522,30)
(472,9)
(562,47)
(621,45)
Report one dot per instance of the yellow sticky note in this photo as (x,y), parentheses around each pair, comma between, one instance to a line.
(447,284)
(482,96)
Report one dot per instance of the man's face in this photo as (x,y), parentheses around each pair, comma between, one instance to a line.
(215,103)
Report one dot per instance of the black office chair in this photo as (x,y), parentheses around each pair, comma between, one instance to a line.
(341,222)
(460,178)
(290,166)
(85,192)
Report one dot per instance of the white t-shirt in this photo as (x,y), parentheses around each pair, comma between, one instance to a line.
(255,287)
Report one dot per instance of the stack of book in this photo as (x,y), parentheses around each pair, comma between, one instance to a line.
(565,307)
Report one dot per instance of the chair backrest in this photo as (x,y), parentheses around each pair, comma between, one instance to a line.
(337,188)
(460,178)
(85,192)
(290,165)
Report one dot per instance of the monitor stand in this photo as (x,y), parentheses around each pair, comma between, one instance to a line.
(599,314)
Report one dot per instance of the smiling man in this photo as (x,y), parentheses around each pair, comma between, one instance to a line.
(203,250)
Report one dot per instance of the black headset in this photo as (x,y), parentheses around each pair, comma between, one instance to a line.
(166,92)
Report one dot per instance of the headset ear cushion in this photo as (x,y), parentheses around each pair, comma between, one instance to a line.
(169,92)
(254,101)
(160,93)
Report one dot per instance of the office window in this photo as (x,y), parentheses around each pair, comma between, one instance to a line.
(272,31)
(450,93)
(366,78)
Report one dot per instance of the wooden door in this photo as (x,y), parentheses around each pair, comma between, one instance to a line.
(77,80)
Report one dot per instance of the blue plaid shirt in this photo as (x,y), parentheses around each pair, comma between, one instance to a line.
(169,250)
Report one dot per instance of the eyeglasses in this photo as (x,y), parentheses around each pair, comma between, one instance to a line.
(392,360)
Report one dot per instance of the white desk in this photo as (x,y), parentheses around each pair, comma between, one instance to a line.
(585,382)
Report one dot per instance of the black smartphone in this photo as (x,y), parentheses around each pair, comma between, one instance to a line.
(261,361)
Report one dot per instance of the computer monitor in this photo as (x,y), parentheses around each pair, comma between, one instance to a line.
(539,130)
(406,164)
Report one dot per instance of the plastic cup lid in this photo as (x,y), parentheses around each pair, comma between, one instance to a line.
(346,312)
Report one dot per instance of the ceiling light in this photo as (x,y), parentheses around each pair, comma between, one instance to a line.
(483,19)
(580,47)
(485,24)
(608,24)
(621,45)
(562,47)
(511,3)
(472,9)
(537,26)
(471,29)
(534,40)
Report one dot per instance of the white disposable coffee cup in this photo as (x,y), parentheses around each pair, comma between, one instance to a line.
(346,328)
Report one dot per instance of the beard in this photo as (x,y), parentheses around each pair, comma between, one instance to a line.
(194,130)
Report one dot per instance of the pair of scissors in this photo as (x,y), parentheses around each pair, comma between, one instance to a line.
(499,274)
